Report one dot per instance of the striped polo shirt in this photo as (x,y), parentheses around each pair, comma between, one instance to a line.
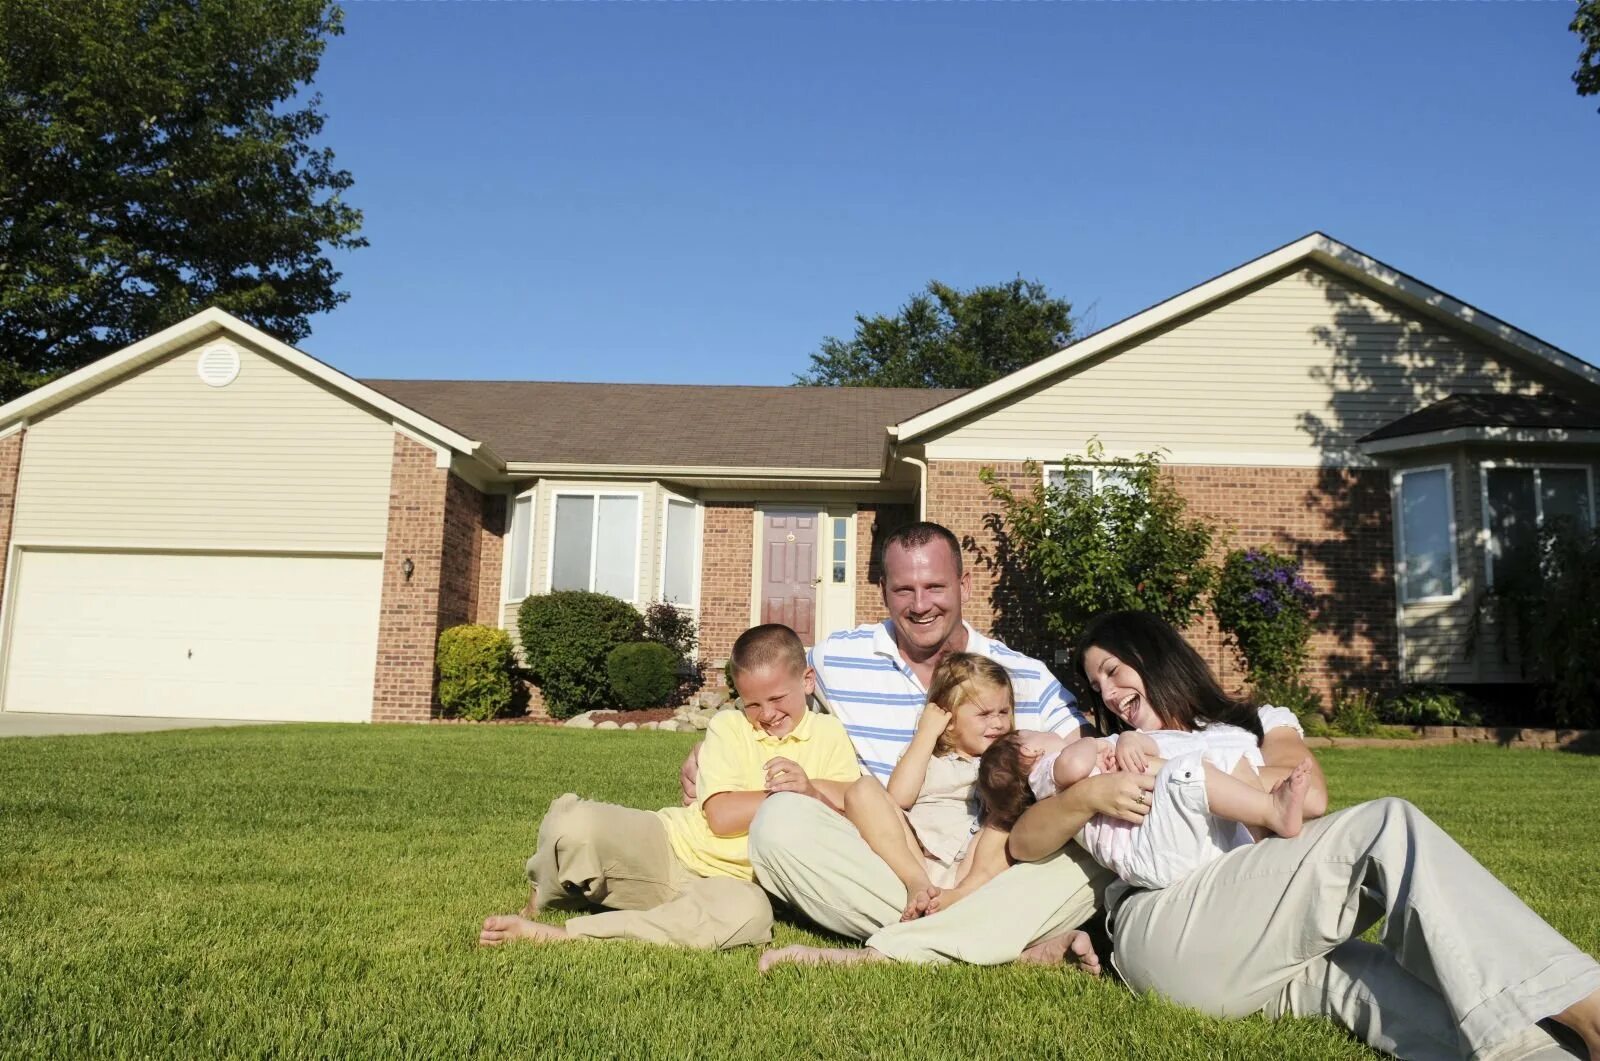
(862,680)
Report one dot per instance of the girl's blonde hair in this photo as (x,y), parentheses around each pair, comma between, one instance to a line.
(956,680)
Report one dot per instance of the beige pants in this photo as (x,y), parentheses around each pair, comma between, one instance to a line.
(1465,969)
(816,861)
(597,854)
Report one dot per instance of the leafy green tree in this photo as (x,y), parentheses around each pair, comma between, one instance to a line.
(1586,24)
(1091,544)
(155,158)
(944,337)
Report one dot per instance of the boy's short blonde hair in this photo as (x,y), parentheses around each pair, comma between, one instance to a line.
(957,677)
(768,645)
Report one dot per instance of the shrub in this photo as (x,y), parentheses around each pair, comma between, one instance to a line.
(1424,706)
(475,667)
(667,624)
(566,637)
(1297,697)
(643,673)
(1263,606)
(1078,551)
(1355,714)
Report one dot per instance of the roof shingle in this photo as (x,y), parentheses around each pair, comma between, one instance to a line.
(1491,410)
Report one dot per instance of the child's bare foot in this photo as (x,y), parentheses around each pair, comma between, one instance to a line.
(798,955)
(920,902)
(1289,800)
(1073,947)
(944,900)
(503,928)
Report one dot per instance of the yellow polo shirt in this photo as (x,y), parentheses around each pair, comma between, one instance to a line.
(733,759)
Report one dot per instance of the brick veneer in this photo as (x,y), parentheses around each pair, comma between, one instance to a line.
(491,532)
(726,577)
(10,464)
(873,521)
(437,522)
(1336,521)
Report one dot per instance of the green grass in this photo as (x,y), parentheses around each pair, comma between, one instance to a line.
(290,891)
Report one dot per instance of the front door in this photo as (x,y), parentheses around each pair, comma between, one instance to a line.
(789,572)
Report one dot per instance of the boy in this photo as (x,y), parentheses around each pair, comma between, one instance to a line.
(682,875)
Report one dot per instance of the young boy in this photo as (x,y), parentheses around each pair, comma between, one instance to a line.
(682,875)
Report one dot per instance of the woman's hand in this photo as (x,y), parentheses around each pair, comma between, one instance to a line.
(1121,795)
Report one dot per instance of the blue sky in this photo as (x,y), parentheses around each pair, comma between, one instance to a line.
(700,192)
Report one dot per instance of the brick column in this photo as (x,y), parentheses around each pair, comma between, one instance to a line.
(726,578)
(10,465)
(408,624)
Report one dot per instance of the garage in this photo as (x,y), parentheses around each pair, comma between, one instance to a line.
(192,635)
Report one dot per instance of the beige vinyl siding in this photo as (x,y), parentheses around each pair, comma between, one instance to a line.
(1291,371)
(273,460)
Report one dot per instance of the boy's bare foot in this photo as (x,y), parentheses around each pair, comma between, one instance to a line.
(920,902)
(1289,800)
(797,955)
(503,928)
(1583,1017)
(1073,947)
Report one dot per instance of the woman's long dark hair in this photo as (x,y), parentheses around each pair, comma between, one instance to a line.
(1178,685)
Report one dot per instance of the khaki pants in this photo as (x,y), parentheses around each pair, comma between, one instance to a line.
(815,860)
(1465,969)
(597,854)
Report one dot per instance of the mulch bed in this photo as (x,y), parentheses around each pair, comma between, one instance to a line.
(652,714)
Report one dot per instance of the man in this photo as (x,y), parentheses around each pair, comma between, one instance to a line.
(874,679)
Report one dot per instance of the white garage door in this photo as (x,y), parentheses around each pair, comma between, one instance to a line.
(187,635)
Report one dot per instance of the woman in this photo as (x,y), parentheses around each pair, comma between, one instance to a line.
(1464,969)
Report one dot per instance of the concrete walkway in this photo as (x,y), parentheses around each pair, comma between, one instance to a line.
(27,724)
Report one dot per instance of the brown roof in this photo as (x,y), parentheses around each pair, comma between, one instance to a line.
(1491,410)
(669,425)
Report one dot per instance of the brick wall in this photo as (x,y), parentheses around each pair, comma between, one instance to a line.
(725,578)
(491,556)
(408,621)
(10,464)
(1336,521)
(460,569)
(873,521)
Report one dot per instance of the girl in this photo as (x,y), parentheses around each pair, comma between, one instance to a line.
(925,824)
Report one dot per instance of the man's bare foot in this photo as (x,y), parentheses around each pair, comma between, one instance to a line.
(532,909)
(798,955)
(1289,800)
(920,902)
(1073,947)
(503,928)
(1583,1017)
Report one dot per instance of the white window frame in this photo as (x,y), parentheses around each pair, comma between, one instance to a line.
(1484,467)
(1099,472)
(667,498)
(1400,535)
(594,529)
(508,560)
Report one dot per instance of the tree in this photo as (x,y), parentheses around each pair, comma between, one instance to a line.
(155,158)
(947,338)
(1586,24)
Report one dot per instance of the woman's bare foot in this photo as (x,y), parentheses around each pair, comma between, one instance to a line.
(1289,800)
(503,928)
(920,902)
(797,955)
(1583,1017)
(1073,947)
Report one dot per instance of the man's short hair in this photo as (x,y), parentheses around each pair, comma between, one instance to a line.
(913,535)
(769,645)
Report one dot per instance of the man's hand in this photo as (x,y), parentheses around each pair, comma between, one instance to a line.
(786,775)
(689,774)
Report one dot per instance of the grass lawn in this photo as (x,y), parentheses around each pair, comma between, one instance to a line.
(303,890)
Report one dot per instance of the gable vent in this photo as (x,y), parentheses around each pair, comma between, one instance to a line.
(218,366)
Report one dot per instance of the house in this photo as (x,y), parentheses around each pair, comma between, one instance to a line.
(212,523)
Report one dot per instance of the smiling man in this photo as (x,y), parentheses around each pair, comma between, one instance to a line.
(874,679)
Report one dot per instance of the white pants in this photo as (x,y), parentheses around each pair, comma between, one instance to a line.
(815,860)
(1465,969)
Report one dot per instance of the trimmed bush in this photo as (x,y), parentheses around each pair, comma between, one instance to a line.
(475,667)
(566,637)
(643,674)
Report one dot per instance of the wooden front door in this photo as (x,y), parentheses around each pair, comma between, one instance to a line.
(789,572)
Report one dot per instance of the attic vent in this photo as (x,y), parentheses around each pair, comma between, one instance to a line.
(218,366)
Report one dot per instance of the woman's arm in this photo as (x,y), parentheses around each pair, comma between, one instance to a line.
(1045,827)
(905,780)
(1283,749)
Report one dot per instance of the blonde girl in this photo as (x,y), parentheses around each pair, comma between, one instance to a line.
(925,823)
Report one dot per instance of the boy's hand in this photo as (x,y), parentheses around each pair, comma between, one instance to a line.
(786,775)
(1134,750)
(933,721)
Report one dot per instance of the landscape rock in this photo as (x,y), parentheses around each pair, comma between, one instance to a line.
(630,725)
(607,724)
(582,721)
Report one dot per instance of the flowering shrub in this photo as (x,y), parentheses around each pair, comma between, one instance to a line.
(1263,606)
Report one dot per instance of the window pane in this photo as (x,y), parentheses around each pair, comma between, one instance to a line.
(1512,519)
(677,582)
(574,527)
(1425,531)
(1564,495)
(617,546)
(521,550)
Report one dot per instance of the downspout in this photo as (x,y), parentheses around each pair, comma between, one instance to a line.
(922,484)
